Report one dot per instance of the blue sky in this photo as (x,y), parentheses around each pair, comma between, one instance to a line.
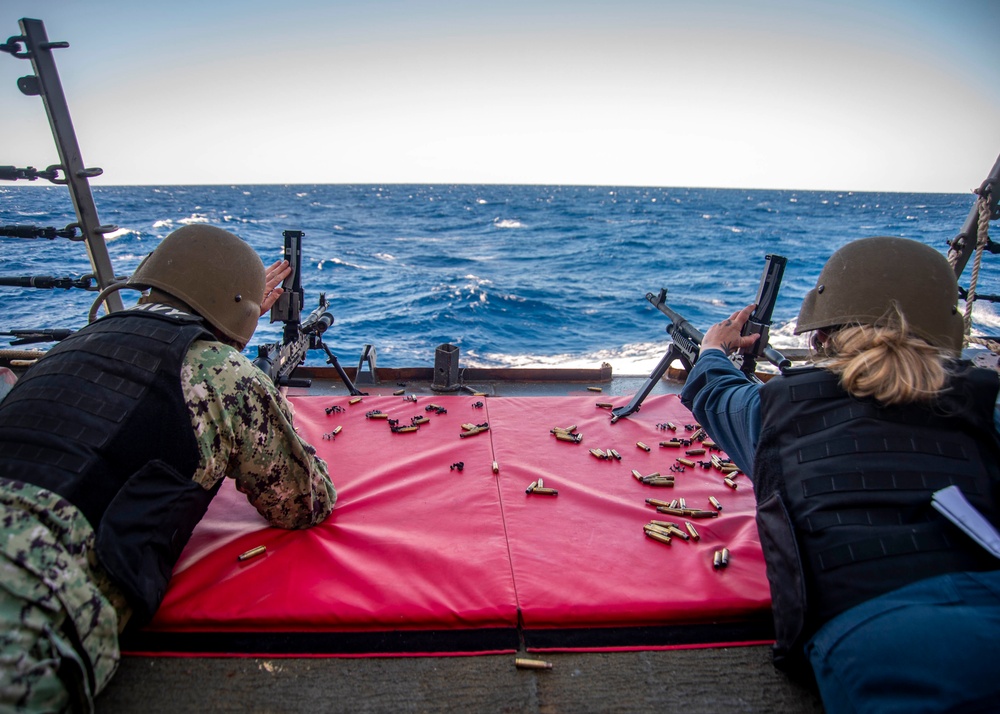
(879,95)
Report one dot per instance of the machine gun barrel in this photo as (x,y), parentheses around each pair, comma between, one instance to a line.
(319,320)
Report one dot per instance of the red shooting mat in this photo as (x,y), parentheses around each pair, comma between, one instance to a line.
(581,559)
(413,545)
(419,557)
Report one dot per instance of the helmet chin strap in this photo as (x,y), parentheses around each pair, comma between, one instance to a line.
(103,295)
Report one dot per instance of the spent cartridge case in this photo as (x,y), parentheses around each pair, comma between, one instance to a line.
(252,553)
(676,531)
(660,537)
(524,663)
(566,436)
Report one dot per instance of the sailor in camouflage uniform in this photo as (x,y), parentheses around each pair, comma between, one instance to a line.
(113,445)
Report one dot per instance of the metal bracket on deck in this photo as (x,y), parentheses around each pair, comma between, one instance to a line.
(367,355)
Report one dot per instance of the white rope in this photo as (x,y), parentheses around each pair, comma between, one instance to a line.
(982,239)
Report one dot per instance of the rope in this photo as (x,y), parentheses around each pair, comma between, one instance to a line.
(992,345)
(7,355)
(982,238)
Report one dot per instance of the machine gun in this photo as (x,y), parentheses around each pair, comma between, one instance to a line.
(686,339)
(279,360)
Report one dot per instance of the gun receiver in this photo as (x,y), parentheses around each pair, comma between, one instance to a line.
(686,339)
(760,320)
(279,360)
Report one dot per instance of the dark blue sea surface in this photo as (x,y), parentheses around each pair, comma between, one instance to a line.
(513,275)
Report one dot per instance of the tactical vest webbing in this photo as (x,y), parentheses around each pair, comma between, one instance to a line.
(101,421)
(844,491)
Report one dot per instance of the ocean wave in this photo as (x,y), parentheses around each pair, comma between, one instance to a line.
(507,223)
(985,315)
(638,359)
(338,262)
(120,234)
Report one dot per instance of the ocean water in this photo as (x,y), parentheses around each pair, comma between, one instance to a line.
(512,275)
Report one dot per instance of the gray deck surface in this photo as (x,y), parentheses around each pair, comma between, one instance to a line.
(709,681)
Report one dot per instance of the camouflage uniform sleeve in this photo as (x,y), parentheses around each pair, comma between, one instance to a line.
(244,431)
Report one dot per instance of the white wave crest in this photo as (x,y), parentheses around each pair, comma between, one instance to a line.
(984,314)
(165,223)
(120,233)
(194,218)
(637,359)
(783,337)
(507,223)
(338,261)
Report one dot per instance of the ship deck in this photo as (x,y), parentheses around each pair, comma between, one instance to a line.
(698,679)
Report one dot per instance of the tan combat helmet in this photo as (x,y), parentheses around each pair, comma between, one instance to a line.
(861,281)
(217,274)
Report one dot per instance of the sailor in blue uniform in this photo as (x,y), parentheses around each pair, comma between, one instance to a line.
(891,606)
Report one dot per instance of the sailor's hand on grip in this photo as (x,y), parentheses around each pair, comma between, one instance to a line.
(726,335)
(274,275)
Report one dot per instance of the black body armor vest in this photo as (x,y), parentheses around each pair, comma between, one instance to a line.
(101,421)
(844,488)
